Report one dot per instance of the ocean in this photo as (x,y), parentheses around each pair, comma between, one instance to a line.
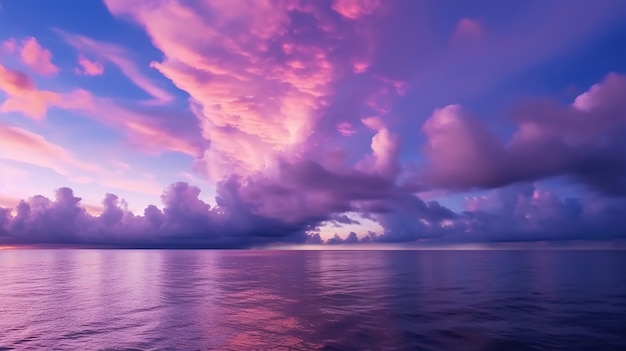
(459,300)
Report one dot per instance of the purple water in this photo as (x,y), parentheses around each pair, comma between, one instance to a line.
(312,300)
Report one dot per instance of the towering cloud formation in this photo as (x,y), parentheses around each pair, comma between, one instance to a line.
(260,80)
(291,108)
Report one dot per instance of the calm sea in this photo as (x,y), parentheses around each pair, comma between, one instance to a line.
(312,300)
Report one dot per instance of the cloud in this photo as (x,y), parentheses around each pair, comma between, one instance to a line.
(24,97)
(343,219)
(119,57)
(260,76)
(9,45)
(274,88)
(354,9)
(351,238)
(335,240)
(584,140)
(150,128)
(133,185)
(8,201)
(88,67)
(20,145)
(345,129)
(461,151)
(184,221)
(33,55)
(527,214)
(468,30)
(385,150)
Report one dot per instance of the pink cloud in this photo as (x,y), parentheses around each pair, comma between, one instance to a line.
(9,45)
(374,123)
(88,67)
(142,186)
(354,9)
(23,146)
(148,130)
(345,129)
(14,82)
(10,176)
(93,210)
(260,87)
(385,150)
(23,96)
(583,140)
(460,146)
(119,57)
(360,66)
(468,30)
(610,92)
(33,55)
(385,92)
(153,134)
(399,86)
(8,201)
(251,104)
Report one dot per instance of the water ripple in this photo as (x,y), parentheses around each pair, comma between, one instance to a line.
(260,300)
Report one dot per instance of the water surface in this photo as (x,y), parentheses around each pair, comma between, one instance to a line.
(312,300)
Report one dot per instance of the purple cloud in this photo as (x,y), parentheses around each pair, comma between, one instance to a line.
(584,140)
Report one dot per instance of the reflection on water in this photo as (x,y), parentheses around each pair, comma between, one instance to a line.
(312,300)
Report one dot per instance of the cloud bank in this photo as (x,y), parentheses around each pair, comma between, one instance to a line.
(239,220)
(297,112)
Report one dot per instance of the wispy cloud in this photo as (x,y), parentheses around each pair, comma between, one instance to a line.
(120,58)
(23,146)
(24,97)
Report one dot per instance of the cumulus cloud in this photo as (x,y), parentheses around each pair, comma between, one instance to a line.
(32,54)
(527,214)
(184,221)
(584,140)
(335,240)
(385,150)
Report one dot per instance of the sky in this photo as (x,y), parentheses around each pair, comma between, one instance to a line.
(236,124)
